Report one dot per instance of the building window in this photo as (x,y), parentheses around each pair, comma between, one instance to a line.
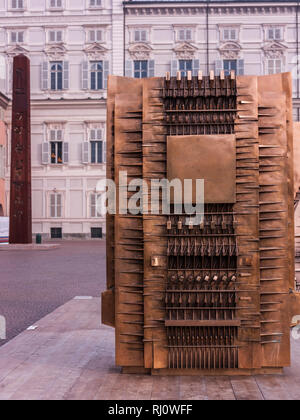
(230,34)
(56,4)
(274,66)
(275,34)
(97,75)
(185,66)
(17,4)
(57,75)
(95,3)
(96,233)
(56,146)
(55,36)
(56,233)
(229,66)
(96,146)
(55,205)
(95,205)
(56,152)
(185,34)
(17,37)
(95,35)
(140,35)
(140,69)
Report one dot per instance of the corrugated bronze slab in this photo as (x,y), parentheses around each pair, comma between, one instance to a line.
(208,157)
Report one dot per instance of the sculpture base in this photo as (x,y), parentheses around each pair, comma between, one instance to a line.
(131,370)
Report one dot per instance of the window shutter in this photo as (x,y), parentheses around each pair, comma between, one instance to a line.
(85,75)
(52,135)
(129,68)
(188,35)
(196,67)
(86,152)
(143,36)
(106,73)
(66,75)
(99,36)
(174,67)
(45,153)
(58,205)
(93,205)
(52,205)
(52,36)
(241,67)
(66,152)
(219,66)
(44,76)
(99,134)
(151,68)
(93,134)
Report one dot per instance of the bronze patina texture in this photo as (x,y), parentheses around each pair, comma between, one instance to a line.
(20,185)
(216,297)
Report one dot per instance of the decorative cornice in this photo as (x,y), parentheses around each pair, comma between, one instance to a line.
(95,51)
(185,51)
(230,50)
(16,50)
(185,9)
(55,52)
(140,51)
(274,49)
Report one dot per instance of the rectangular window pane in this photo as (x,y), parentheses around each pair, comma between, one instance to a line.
(100,159)
(93,152)
(59,152)
(53,152)
(59,80)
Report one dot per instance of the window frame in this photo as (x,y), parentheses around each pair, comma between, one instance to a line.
(274,28)
(56,205)
(57,72)
(55,32)
(95,6)
(55,8)
(140,31)
(185,38)
(185,70)
(95,31)
(17,32)
(140,71)
(275,61)
(17,8)
(98,75)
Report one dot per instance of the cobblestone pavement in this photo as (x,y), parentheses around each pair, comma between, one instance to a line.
(35,283)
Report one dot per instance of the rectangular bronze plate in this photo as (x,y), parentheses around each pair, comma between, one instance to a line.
(208,157)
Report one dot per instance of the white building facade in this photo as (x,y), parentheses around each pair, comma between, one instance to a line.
(75,44)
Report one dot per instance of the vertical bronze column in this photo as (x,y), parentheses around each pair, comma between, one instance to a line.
(20,230)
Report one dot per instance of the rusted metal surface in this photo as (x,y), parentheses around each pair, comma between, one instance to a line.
(20,184)
(214,297)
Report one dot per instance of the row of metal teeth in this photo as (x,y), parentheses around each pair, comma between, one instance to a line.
(202,247)
(211,224)
(216,281)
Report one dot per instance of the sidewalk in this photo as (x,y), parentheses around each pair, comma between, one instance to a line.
(71,356)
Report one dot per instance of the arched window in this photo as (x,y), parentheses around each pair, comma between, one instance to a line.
(97,75)
(57,76)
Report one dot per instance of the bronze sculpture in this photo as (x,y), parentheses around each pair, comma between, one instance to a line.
(20,231)
(217,298)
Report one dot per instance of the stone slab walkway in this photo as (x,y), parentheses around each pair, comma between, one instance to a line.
(70,356)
